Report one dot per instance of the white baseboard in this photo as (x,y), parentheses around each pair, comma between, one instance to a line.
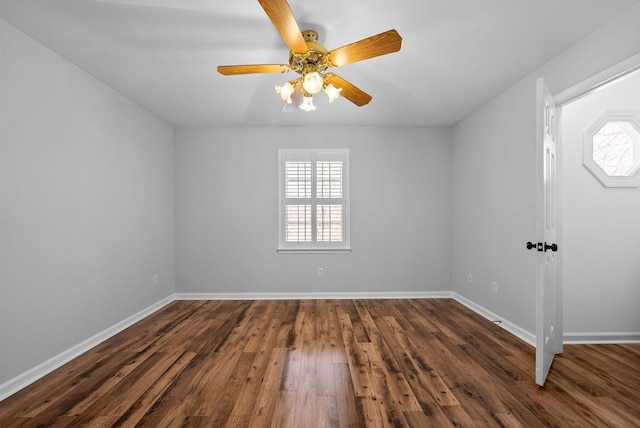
(600,338)
(315,296)
(27,378)
(512,328)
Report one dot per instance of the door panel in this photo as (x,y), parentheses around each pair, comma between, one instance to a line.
(548,293)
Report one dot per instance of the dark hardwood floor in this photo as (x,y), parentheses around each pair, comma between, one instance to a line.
(335,363)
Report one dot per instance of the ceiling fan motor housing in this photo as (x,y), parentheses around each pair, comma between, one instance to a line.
(315,59)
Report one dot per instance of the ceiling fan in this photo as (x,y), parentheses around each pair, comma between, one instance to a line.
(311,60)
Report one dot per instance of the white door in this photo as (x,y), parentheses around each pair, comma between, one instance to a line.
(548,293)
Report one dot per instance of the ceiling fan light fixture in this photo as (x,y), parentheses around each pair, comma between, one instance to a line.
(285,92)
(332,92)
(313,82)
(311,60)
(307,103)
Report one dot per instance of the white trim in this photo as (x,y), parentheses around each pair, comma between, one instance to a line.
(512,328)
(601,338)
(599,81)
(316,296)
(27,378)
(314,250)
(560,218)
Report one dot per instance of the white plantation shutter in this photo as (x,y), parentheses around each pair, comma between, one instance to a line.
(329,193)
(313,200)
(297,193)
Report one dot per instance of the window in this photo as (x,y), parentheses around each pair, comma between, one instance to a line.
(612,150)
(313,200)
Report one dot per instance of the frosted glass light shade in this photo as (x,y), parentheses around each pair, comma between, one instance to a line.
(332,92)
(312,82)
(286,91)
(307,104)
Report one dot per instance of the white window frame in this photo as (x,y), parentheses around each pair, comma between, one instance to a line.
(313,246)
(632,180)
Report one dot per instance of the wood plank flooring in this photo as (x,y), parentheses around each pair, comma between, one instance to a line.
(328,363)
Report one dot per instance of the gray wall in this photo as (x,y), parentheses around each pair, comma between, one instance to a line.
(226,211)
(493,186)
(601,226)
(494,206)
(86,187)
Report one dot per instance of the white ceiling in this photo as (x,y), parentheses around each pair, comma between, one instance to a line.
(163,54)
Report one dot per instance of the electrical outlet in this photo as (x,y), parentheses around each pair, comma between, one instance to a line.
(494,287)
(156,281)
(470,278)
(320,272)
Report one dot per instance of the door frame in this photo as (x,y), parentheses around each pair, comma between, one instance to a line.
(598,81)
(582,89)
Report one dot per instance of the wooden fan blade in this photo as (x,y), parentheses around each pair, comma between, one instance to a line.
(280,14)
(380,44)
(349,91)
(229,70)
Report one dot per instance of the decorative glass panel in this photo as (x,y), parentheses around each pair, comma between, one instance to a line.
(613,149)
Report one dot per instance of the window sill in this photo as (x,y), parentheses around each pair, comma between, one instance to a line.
(314,250)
